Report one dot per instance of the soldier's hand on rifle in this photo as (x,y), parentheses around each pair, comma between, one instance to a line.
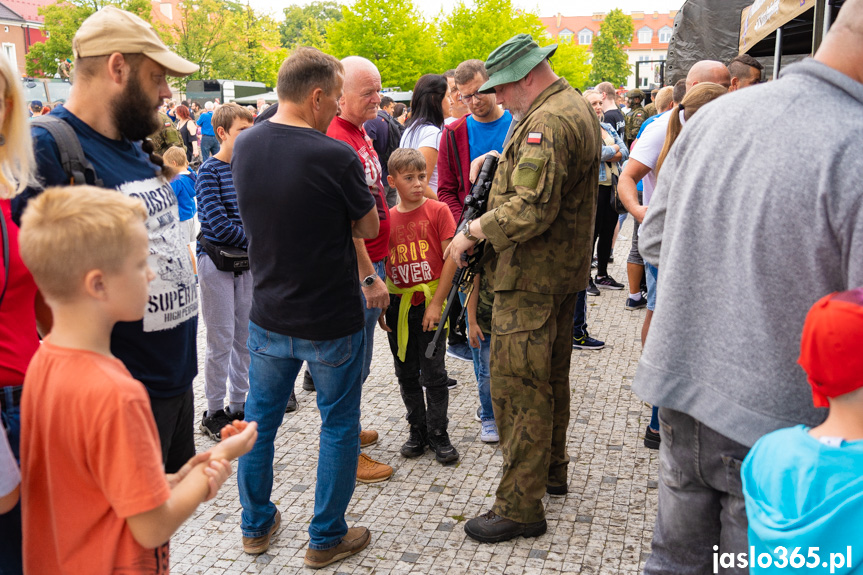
(457,247)
(476,165)
(431,318)
(377,295)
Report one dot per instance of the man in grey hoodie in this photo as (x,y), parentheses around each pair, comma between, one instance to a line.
(754,218)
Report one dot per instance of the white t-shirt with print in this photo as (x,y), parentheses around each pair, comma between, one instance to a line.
(423,136)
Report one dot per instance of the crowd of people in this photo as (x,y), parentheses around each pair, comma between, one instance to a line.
(327,216)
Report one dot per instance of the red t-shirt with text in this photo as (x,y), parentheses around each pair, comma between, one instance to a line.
(415,245)
(357,138)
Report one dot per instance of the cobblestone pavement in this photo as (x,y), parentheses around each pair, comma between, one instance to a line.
(603,526)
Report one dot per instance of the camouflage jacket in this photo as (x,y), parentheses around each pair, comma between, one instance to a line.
(167,136)
(649,110)
(543,198)
(634,119)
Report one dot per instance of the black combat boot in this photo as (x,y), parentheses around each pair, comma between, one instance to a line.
(444,451)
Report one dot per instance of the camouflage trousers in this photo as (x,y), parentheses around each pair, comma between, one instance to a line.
(531,347)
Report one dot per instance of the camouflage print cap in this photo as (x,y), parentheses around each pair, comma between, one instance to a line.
(512,60)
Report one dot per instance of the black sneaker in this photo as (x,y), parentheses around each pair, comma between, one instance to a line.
(586,342)
(292,403)
(234,415)
(444,451)
(212,424)
(608,282)
(632,304)
(651,439)
(591,288)
(308,382)
(415,445)
(594,263)
(451,383)
(611,259)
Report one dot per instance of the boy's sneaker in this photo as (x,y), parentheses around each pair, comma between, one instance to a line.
(371,471)
(212,424)
(234,415)
(415,445)
(611,259)
(308,382)
(608,282)
(477,414)
(488,434)
(651,438)
(444,451)
(292,403)
(591,288)
(460,351)
(451,383)
(354,541)
(586,342)
(632,304)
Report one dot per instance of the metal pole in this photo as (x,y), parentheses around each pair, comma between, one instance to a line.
(777,54)
(828,16)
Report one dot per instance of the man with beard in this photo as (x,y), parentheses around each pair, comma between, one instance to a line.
(120,60)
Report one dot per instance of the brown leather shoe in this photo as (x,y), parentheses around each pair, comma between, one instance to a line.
(257,545)
(368,437)
(371,471)
(356,539)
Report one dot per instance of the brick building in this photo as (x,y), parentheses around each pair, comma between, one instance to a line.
(652,32)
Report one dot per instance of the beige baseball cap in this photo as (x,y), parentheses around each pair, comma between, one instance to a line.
(113,30)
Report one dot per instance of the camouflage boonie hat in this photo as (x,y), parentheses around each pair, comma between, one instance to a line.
(512,60)
(636,93)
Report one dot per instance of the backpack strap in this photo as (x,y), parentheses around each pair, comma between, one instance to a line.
(453,146)
(75,164)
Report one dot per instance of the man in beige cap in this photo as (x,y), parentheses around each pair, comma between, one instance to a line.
(539,224)
(120,70)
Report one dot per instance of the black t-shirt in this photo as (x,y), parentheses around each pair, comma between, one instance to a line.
(616,119)
(298,192)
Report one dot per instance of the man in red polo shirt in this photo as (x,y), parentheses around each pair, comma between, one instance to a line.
(359,103)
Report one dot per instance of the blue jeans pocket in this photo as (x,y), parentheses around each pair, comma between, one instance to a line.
(333,353)
(259,339)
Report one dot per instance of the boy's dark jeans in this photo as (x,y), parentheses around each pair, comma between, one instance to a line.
(416,371)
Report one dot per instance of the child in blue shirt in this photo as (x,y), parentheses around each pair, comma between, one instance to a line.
(183,185)
(804,487)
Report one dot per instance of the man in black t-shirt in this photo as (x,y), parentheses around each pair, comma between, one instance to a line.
(303,197)
(610,112)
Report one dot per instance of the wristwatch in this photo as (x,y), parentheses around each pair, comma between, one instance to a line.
(369,280)
(467,233)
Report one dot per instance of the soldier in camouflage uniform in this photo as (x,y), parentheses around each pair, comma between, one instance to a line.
(650,109)
(635,117)
(539,225)
(167,136)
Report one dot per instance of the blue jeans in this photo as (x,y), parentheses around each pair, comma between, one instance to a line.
(651,272)
(372,316)
(209,146)
(481,369)
(336,367)
(579,325)
(10,523)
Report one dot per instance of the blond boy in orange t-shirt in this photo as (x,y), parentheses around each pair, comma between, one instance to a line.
(95,497)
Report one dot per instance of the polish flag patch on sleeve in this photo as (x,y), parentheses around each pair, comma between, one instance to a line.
(534,137)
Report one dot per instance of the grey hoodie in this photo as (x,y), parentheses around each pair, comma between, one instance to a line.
(758,213)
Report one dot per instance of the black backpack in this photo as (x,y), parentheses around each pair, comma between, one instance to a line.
(76,166)
(395,131)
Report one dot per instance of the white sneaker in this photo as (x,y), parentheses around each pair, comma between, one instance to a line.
(489,432)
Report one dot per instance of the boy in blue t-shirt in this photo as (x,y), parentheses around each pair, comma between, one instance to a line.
(804,487)
(183,185)
(226,296)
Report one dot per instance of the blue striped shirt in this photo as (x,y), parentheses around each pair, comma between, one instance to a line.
(218,212)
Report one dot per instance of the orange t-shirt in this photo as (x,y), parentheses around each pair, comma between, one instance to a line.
(90,458)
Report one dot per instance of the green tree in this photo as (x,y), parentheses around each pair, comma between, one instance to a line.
(306,25)
(393,35)
(473,32)
(609,60)
(202,34)
(62,20)
(253,52)
(572,62)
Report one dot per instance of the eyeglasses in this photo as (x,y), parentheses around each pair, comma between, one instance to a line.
(465,97)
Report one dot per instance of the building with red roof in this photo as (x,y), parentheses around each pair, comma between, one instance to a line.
(652,32)
(21,26)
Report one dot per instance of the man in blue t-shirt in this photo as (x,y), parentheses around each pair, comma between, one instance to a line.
(209,143)
(159,350)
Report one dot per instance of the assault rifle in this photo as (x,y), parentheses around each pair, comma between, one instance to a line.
(474,206)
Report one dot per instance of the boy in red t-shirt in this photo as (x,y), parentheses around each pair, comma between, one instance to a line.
(95,497)
(420,231)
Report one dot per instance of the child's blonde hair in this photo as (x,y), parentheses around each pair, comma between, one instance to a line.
(67,232)
(404,159)
(176,156)
(225,115)
(16,156)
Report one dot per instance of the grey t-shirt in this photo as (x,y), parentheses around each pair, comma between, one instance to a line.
(758,212)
